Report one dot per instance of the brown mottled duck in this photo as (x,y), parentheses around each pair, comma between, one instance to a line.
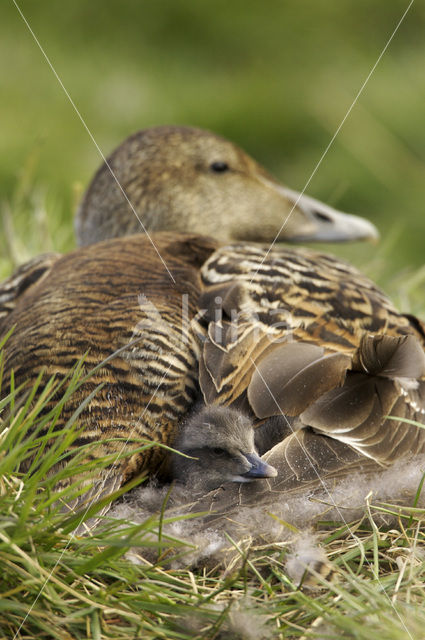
(295,339)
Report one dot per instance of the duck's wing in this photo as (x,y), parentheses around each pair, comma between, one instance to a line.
(366,406)
(23,278)
(302,294)
(312,338)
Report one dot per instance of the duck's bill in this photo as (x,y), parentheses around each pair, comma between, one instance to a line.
(314,221)
(259,469)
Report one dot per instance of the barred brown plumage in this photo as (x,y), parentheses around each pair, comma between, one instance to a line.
(272,362)
(89,301)
(341,364)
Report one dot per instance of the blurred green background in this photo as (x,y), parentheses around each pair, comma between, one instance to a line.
(275,76)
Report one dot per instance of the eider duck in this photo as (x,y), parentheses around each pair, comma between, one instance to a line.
(288,336)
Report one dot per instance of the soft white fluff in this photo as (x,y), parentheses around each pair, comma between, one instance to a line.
(341,501)
(243,621)
(305,560)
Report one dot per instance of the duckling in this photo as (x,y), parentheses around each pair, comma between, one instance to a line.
(318,478)
(256,512)
(219,458)
(220,443)
(214,458)
(183,179)
(214,447)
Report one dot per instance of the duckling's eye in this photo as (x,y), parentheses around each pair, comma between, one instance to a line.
(219,166)
(219,451)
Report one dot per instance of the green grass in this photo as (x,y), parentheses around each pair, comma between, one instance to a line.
(277,78)
(58,585)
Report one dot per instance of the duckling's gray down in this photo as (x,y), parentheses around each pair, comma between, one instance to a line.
(218,443)
(184,179)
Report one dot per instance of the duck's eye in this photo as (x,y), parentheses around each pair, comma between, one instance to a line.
(219,451)
(219,166)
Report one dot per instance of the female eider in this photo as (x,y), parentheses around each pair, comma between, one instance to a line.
(286,336)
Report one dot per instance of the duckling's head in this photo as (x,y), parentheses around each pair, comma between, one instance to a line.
(220,443)
(189,180)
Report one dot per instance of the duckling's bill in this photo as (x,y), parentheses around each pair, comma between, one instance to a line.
(259,469)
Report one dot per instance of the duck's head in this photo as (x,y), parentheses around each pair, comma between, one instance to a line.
(220,443)
(189,180)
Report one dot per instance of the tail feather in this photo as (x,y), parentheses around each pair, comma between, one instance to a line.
(392,357)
